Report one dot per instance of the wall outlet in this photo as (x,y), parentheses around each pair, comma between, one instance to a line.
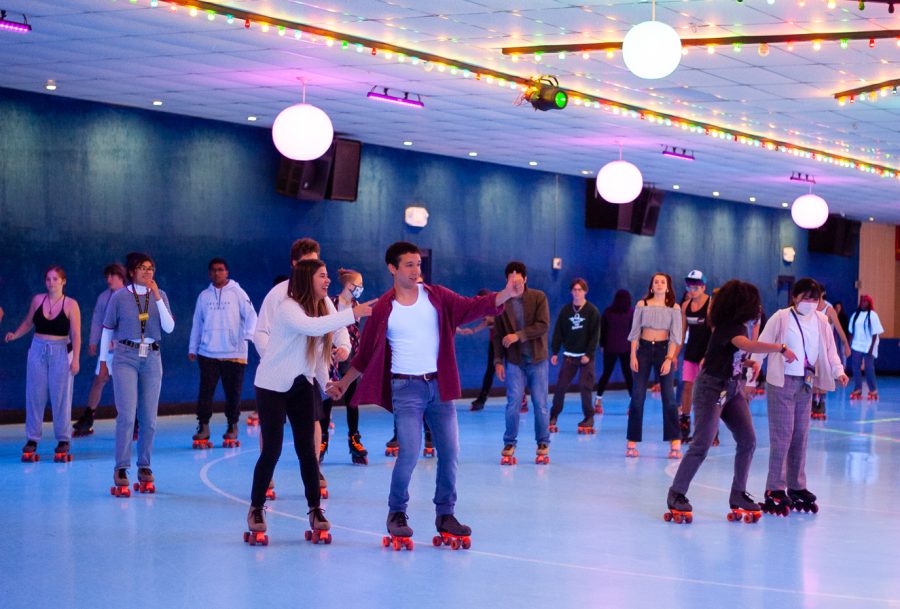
(557,264)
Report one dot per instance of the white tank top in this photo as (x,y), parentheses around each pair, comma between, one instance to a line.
(414,336)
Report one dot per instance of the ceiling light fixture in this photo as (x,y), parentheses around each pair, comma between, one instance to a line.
(393,99)
(544,94)
(20,27)
(796,176)
(51,85)
(869,92)
(676,187)
(302,132)
(407,143)
(157,102)
(651,49)
(252,119)
(473,154)
(619,181)
(678,153)
(533,163)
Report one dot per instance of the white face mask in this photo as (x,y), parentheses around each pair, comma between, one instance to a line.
(806,308)
(356,292)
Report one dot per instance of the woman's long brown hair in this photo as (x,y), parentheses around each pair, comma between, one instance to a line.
(670,293)
(300,289)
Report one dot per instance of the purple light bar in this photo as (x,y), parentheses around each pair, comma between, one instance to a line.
(403,101)
(12,26)
(678,155)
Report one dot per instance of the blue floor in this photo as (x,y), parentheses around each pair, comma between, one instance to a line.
(584,531)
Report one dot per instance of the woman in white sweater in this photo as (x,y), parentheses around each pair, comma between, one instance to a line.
(789,390)
(289,383)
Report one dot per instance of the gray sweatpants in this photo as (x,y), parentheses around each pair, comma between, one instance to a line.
(48,376)
(136,382)
(789,410)
(710,406)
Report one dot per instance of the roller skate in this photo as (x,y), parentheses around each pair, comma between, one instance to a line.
(656,391)
(803,501)
(134,434)
(120,479)
(61,454)
(586,426)
(524,406)
(542,455)
(715,441)
(146,482)
(319,527)
(680,509)
(777,503)
(84,426)
(743,508)
(451,533)
(856,394)
(256,527)
(872,396)
(684,422)
(399,532)
(392,447)
(201,438)
(229,438)
(598,405)
(552,427)
(270,492)
(29,452)
(508,455)
(358,452)
(428,451)
(675,449)
(818,408)
(477,404)
(760,390)
(323,447)
(253,419)
(631,450)
(323,486)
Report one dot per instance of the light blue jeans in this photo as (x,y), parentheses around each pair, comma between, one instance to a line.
(136,383)
(534,376)
(48,376)
(414,399)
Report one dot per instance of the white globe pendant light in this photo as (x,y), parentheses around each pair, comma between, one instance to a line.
(651,49)
(809,211)
(302,132)
(619,182)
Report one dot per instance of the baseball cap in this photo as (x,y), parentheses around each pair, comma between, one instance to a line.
(696,275)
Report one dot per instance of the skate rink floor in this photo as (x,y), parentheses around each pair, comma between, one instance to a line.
(584,531)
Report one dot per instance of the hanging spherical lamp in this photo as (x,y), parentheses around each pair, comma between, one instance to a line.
(651,50)
(619,182)
(302,132)
(809,211)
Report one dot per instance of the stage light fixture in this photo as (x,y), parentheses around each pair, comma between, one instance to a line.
(393,99)
(678,153)
(20,27)
(796,176)
(544,94)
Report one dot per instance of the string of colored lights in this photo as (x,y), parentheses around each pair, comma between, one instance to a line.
(869,92)
(429,61)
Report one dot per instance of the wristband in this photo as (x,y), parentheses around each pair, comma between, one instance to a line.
(783,348)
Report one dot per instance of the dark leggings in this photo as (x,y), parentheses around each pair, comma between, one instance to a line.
(300,405)
(609,364)
(232,375)
(352,413)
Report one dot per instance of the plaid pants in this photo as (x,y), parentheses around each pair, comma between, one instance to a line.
(789,410)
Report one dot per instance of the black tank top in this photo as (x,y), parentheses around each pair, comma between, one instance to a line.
(58,326)
(698,333)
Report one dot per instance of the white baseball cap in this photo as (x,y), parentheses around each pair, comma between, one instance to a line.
(696,275)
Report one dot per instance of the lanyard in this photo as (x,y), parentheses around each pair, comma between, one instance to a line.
(144,315)
(799,327)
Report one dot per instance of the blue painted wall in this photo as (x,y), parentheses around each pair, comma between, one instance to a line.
(81,184)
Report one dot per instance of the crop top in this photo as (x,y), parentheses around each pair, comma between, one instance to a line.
(58,326)
(657,318)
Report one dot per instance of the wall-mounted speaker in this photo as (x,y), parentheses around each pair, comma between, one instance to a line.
(334,175)
(638,217)
(344,182)
(838,236)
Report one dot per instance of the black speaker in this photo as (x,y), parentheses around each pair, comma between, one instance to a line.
(344,182)
(600,213)
(306,180)
(646,211)
(838,236)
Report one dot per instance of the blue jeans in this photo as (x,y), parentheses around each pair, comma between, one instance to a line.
(856,360)
(414,399)
(650,356)
(136,383)
(534,376)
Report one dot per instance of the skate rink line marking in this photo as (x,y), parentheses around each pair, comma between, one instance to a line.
(877,421)
(204,477)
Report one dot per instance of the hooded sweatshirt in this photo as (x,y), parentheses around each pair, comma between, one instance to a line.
(224,320)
